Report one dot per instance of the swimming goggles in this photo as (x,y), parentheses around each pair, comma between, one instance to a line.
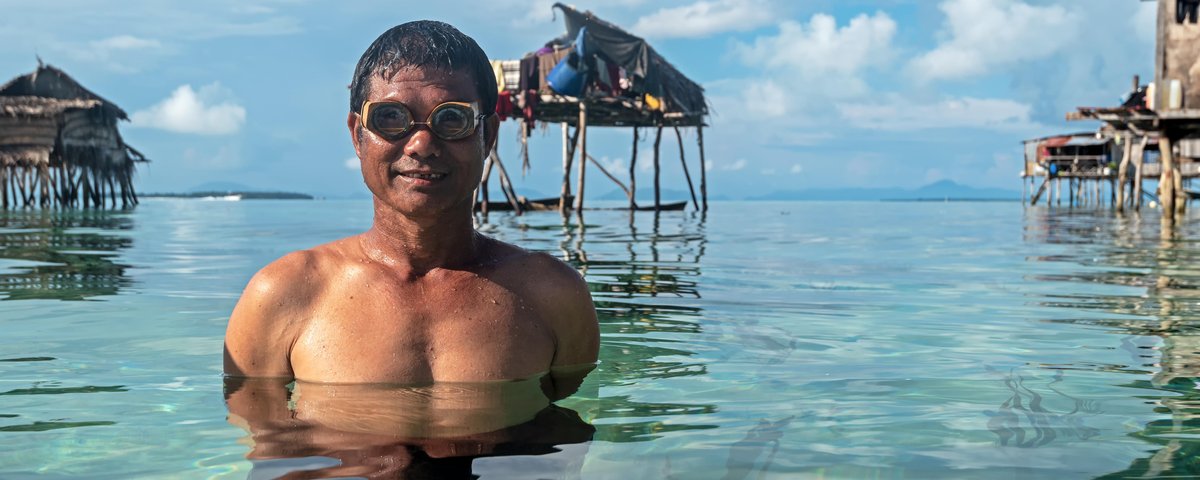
(448,121)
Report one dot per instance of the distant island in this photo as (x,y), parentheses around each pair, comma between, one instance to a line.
(233,195)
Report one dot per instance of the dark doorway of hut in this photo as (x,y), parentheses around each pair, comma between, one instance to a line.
(60,146)
(595,75)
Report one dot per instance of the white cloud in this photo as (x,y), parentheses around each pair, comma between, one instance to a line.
(983,35)
(736,165)
(613,165)
(797,168)
(352,163)
(124,42)
(822,48)
(188,111)
(767,171)
(705,18)
(897,113)
(829,61)
(708,165)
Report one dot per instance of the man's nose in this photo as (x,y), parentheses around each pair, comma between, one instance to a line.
(421,143)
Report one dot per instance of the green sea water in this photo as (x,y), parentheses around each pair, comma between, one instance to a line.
(762,340)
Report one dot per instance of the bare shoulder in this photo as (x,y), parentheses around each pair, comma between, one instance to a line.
(537,271)
(561,296)
(273,309)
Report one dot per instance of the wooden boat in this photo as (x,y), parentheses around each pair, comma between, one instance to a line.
(667,206)
(535,205)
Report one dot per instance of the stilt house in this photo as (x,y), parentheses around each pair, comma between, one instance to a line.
(59,145)
(597,74)
(1169,112)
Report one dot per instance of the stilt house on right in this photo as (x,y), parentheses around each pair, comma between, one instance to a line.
(1169,114)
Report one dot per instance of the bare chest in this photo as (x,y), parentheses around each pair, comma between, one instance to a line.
(380,332)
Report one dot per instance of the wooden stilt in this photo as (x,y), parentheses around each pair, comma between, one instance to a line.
(524,149)
(4,187)
(582,148)
(132,191)
(85,187)
(683,161)
(633,172)
(703,169)
(1123,172)
(506,184)
(483,185)
(657,172)
(1139,153)
(1180,194)
(112,191)
(1038,194)
(1166,181)
(568,156)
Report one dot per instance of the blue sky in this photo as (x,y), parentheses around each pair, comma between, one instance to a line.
(819,93)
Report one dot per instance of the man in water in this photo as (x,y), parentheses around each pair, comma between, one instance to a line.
(421,297)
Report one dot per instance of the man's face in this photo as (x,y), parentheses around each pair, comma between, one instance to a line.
(398,172)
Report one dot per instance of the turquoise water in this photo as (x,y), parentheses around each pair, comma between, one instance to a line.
(766,340)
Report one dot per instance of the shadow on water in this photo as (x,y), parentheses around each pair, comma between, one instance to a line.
(62,254)
(1159,322)
(437,431)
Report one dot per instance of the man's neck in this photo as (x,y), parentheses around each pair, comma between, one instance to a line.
(414,246)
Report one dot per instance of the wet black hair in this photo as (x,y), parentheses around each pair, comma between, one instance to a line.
(424,44)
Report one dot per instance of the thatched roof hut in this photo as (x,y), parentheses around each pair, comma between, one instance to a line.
(59,144)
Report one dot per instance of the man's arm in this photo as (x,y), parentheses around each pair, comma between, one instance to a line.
(266,321)
(577,331)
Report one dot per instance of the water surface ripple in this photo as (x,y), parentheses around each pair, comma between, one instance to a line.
(763,340)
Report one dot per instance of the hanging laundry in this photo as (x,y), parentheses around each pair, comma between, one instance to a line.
(504,105)
(498,70)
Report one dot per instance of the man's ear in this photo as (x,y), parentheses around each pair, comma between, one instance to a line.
(352,124)
(491,130)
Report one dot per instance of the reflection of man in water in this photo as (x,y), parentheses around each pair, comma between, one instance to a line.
(421,299)
(421,296)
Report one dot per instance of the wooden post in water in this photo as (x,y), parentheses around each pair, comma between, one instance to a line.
(506,183)
(483,186)
(582,148)
(1166,181)
(703,169)
(1123,172)
(568,148)
(683,161)
(633,172)
(1139,153)
(657,141)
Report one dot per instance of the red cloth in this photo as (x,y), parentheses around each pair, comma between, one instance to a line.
(504,106)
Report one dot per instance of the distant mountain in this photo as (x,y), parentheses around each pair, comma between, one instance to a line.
(940,190)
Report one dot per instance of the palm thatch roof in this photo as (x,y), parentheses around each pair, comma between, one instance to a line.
(57,135)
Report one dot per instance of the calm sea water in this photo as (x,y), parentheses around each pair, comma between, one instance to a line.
(765,340)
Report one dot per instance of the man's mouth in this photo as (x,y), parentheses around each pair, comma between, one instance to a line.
(429,176)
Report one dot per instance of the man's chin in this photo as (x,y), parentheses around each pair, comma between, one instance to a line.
(417,204)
